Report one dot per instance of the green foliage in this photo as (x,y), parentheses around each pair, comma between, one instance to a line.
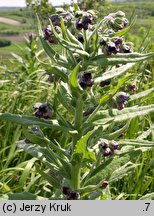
(65,151)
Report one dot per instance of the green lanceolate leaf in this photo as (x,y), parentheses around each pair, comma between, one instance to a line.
(64,96)
(114,72)
(73,39)
(137,142)
(105,98)
(149,196)
(141,94)
(29,120)
(106,169)
(73,82)
(122,171)
(51,178)
(119,58)
(58,71)
(25,196)
(114,115)
(81,147)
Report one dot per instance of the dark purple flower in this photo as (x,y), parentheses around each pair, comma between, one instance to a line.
(47,114)
(104,83)
(102,42)
(103,145)
(122,98)
(79,25)
(118,41)
(73,195)
(115,145)
(88,20)
(43,111)
(111,48)
(107,152)
(132,87)
(66,190)
(55,19)
(26,141)
(81,39)
(125,20)
(38,114)
(86,80)
(47,32)
(127,49)
(104,184)
(120,106)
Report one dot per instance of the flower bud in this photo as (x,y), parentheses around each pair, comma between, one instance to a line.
(73,195)
(43,111)
(104,83)
(104,184)
(47,32)
(103,144)
(132,87)
(86,80)
(66,190)
(115,145)
(107,152)
(81,39)
(55,19)
(79,25)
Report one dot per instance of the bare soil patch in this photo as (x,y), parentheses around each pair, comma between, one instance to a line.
(10,21)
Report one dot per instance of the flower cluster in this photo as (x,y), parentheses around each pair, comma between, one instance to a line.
(70,195)
(86,80)
(107,148)
(116,21)
(121,99)
(114,45)
(43,110)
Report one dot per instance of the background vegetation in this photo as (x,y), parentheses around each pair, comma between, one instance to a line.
(22,82)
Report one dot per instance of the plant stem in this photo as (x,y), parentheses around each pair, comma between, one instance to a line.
(78,121)
(75,175)
(75,172)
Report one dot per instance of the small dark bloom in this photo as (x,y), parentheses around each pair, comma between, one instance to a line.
(122,98)
(55,19)
(86,80)
(107,152)
(50,79)
(102,42)
(103,145)
(47,32)
(87,20)
(118,41)
(115,145)
(26,141)
(120,106)
(104,184)
(43,111)
(79,25)
(66,190)
(38,114)
(104,83)
(111,48)
(73,195)
(81,39)
(125,20)
(132,87)
(127,49)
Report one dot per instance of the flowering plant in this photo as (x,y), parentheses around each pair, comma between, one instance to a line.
(89,110)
